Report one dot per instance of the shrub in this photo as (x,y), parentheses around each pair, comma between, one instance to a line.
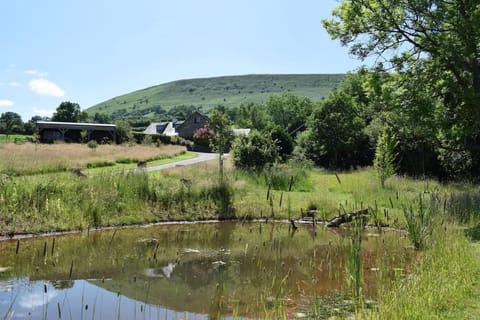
(282,139)
(385,155)
(92,144)
(254,151)
(203,136)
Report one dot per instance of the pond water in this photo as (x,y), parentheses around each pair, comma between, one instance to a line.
(190,271)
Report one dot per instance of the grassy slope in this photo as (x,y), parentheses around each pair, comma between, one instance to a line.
(229,91)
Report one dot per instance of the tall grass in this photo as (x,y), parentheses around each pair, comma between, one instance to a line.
(354,261)
(46,158)
(443,285)
(63,201)
(420,222)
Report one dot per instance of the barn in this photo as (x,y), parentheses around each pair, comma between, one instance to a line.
(50,131)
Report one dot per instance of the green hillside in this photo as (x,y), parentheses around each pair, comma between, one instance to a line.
(204,94)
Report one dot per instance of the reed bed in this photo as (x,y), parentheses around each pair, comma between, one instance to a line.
(443,284)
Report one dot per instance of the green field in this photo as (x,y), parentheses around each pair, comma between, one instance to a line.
(230,91)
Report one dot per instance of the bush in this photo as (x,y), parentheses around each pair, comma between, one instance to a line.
(92,144)
(385,155)
(282,139)
(254,151)
(203,136)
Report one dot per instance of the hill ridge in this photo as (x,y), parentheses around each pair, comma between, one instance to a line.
(205,93)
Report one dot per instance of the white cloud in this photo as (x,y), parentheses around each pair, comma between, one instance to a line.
(46,88)
(6,103)
(31,72)
(43,112)
(14,84)
(35,72)
(33,300)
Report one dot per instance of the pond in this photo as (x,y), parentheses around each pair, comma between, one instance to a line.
(191,271)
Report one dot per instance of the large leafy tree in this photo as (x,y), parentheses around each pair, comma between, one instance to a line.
(335,135)
(434,48)
(251,115)
(288,110)
(69,112)
(11,122)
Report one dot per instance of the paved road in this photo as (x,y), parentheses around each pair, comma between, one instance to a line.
(201,157)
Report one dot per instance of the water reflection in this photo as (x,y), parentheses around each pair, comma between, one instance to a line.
(186,271)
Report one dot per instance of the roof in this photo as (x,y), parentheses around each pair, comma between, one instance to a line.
(73,125)
(166,128)
(152,127)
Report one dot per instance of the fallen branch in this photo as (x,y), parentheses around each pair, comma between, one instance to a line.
(347,217)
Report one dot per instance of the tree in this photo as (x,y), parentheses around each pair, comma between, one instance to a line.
(254,151)
(335,135)
(434,46)
(69,112)
(101,118)
(289,110)
(220,125)
(124,131)
(30,127)
(251,115)
(385,155)
(282,140)
(11,122)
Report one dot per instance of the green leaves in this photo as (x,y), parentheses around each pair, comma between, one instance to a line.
(385,155)
(433,46)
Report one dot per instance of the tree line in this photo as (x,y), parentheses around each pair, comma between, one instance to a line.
(417,109)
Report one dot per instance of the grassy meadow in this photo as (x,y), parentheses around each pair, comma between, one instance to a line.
(444,284)
(28,158)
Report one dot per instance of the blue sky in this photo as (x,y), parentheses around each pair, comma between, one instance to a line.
(88,51)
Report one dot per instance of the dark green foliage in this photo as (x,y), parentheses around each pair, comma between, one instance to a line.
(282,139)
(335,135)
(124,132)
(69,112)
(473,233)
(463,207)
(288,110)
(251,115)
(254,152)
(11,122)
(435,93)
(101,118)
(92,144)
(222,134)
(100,164)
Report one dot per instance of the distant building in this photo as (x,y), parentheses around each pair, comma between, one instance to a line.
(184,129)
(50,131)
(166,128)
(241,132)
